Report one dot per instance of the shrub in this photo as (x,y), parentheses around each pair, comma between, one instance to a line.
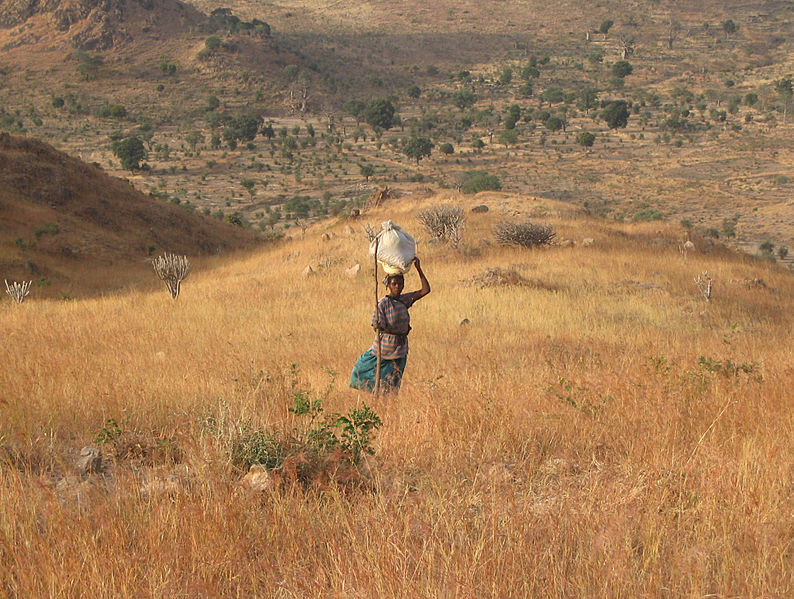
(444,222)
(526,234)
(326,446)
(476,181)
(586,139)
(647,214)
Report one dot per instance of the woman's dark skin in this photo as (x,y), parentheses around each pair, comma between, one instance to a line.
(396,284)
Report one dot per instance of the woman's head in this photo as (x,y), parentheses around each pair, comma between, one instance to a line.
(395,284)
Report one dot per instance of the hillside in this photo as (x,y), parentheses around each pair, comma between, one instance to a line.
(256,111)
(595,428)
(73,229)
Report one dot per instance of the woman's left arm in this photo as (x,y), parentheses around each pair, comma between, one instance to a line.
(417,295)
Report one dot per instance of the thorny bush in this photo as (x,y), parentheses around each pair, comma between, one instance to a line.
(525,234)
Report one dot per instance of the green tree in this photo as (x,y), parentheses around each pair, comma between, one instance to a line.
(367,170)
(506,76)
(446,148)
(729,27)
(130,151)
(194,138)
(615,113)
(554,123)
(414,91)
(379,114)
(784,89)
(588,99)
(417,148)
(463,98)
(553,95)
(530,72)
(622,68)
(585,139)
(508,137)
(249,185)
(355,108)
(605,27)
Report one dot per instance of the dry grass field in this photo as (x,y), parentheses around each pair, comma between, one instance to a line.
(599,430)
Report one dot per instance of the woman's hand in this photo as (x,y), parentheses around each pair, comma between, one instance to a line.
(416,262)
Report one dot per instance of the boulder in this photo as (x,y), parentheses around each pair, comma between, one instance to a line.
(480,209)
(307,272)
(90,461)
(463,322)
(258,479)
(587,242)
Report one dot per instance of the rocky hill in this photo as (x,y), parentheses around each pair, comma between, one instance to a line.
(93,24)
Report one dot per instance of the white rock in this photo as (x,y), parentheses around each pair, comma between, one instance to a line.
(353,271)
(587,241)
(308,271)
(258,479)
(90,461)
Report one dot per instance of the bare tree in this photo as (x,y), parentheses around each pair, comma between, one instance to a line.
(18,291)
(627,46)
(673,31)
(172,270)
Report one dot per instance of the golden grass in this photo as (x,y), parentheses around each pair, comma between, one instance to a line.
(583,436)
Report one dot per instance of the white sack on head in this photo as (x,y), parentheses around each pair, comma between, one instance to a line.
(396,249)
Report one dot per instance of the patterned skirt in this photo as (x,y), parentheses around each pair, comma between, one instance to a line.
(391,372)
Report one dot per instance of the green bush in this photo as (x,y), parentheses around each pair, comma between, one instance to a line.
(647,214)
(476,181)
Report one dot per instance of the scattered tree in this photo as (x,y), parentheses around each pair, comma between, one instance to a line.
(367,170)
(130,151)
(605,27)
(729,27)
(379,114)
(784,89)
(622,68)
(585,139)
(615,113)
(417,148)
(464,98)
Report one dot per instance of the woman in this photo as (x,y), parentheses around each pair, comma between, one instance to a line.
(392,321)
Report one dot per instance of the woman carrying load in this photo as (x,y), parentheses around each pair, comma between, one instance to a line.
(393,323)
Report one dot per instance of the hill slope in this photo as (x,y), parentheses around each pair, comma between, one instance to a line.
(596,429)
(63,222)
